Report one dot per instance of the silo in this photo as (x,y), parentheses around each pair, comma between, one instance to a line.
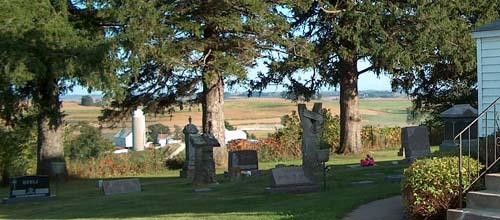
(138,130)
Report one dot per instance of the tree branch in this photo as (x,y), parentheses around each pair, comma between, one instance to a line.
(365,70)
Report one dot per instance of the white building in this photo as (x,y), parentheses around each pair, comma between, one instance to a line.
(488,70)
(123,138)
(234,135)
(162,139)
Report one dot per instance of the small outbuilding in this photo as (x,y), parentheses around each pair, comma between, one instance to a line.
(455,119)
(123,138)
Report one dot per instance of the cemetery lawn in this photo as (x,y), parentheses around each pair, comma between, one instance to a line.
(166,196)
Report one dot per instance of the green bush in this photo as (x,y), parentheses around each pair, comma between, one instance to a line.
(430,186)
(88,143)
(176,162)
(87,101)
(17,151)
(155,130)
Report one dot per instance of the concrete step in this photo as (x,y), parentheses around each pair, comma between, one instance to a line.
(473,214)
(493,181)
(486,199)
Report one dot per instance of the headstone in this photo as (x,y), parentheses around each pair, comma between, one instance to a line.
(112,187)
(203,190)
(204,171)
(188,169)
(291,179)
(362,183)
(27,188)
(243,159)
(415,142)
(312,128)
(393,178)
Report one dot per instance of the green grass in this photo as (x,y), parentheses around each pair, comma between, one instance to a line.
(165,196)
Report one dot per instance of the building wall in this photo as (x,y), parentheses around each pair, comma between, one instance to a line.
(488,78)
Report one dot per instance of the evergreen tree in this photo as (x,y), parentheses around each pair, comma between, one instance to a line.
(394,37)
(178,52)
(445,71)
(46,47)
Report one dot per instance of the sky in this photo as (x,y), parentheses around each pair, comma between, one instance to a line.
(367,81)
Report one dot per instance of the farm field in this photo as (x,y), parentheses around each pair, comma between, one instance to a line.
(259,116)
(166,196)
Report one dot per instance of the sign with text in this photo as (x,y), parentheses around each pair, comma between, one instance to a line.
(29,186)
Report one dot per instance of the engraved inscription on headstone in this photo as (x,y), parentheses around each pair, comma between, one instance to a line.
(121,186)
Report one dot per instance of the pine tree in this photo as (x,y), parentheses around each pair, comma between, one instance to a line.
(333,37)
(183,52)
(46,47)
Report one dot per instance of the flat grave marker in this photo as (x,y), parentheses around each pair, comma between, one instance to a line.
(121,186)
(291,179)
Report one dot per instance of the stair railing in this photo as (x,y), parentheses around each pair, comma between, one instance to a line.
(487,122)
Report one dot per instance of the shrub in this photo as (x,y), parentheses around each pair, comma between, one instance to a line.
(113,165)
(88,143)
(155,130)
(430,186)
(373,138)
(17,151)
(87,100)
(176,162)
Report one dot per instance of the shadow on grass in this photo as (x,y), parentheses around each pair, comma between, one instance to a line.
(173,198)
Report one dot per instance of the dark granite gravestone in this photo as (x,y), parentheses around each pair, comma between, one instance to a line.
(27,188)
(112,187)
(244,159)
(204,166)
(292,179)
(415,142)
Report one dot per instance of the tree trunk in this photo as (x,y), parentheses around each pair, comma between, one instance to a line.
(50,136)
(213,114)
(350,119)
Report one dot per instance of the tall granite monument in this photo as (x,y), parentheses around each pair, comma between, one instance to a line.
(312,128)
(188,169)
(204,165)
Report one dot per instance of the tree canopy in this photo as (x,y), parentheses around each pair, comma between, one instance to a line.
(46,48)
(403,39)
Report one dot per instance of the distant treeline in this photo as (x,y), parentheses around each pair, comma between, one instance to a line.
(362,94)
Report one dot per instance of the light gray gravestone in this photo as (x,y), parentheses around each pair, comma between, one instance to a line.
(121,186)
(415,142)
(292,179)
